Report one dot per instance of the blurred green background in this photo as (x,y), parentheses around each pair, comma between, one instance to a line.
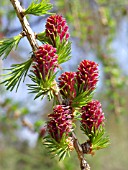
(99,31)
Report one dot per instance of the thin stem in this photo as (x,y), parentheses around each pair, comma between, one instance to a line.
(32,40)
(83,163)
(25,25)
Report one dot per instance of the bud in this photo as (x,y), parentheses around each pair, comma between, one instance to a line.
(60,122)
(56,26)
(92,116)
(67,85)
(45,61)
(87,75)
(69,140)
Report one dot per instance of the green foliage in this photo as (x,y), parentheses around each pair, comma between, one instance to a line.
(60,149)
(82,99)
(97,138)
(42,87)
(43,38)
(7,44)
(24,111)
(77,115)
(38,124)
(39,8)
(17,72)
(63,50)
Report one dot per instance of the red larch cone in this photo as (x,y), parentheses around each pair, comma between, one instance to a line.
(56,26)
(92,116)
(60,122)
(45,61)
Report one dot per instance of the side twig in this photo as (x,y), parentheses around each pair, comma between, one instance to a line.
(25,25)
(31,38)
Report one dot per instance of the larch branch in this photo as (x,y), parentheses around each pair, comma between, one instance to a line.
(32,40)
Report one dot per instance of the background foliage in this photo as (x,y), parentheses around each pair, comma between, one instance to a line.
(95,26)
